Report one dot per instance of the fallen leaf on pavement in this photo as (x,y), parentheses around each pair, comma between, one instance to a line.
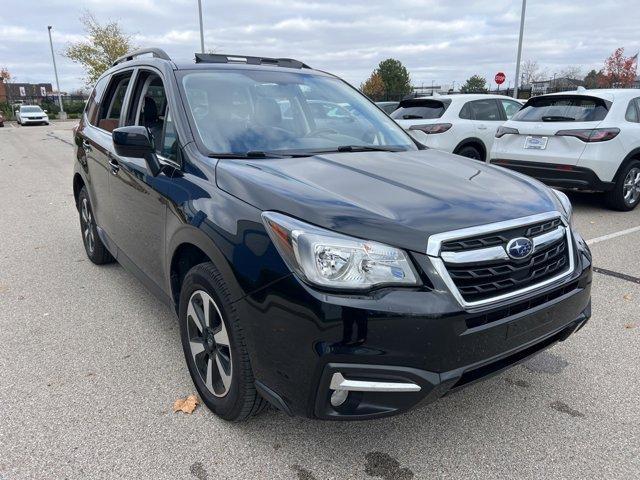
(627,297)
(629,326)
(3,288)
(186,405)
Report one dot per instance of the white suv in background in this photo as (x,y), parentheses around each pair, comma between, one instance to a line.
(464,124)
(584,140)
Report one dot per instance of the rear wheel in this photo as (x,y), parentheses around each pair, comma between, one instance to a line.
(470,151)
(625,195)
(96,251)
(214,346)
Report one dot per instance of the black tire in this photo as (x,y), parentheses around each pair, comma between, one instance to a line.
(470,151)
(96,251)
(239,400)
(615,199)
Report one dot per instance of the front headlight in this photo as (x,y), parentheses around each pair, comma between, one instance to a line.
(566,204)
(333,260)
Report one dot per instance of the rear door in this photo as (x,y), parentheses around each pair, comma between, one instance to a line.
(539,121)
(487,116)
(95,144)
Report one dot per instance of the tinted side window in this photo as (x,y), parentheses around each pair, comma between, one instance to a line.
(485,110)
(510,108)
(149,107)
(466,112)
(632,111)
(93,104)
(111,106)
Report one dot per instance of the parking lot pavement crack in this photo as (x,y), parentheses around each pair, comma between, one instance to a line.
(622,276)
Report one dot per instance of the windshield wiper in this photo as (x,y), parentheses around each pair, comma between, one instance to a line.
(366,148)
(412,117)
(249,154)
(557,118)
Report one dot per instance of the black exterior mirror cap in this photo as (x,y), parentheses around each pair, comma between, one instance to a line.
(133,141)
(136,142)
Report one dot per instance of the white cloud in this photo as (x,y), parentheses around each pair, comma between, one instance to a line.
(438,40)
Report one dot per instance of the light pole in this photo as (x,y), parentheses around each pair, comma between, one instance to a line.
(201,28)
(63,115)
(524,8)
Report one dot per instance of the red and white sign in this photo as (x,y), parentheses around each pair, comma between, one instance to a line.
(500,78)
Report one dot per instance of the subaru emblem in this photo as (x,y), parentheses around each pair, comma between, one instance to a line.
(519,248)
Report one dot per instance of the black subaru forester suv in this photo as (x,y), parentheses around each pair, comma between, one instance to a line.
(318,258)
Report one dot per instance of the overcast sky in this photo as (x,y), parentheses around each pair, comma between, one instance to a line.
(438,41)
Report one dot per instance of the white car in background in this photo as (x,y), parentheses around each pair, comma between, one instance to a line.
(31,114)
(464,124)
(584,140)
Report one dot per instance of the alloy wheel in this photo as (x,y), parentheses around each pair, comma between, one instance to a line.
(87,226)
(631,187)
(209,343)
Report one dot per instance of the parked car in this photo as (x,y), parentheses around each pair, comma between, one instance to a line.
(332,276)
(1,120)
(463,124)
(31,114)
(388,107)
(583,140)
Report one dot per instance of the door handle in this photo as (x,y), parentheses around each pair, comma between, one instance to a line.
(482,127)
(86,146)
(115,166)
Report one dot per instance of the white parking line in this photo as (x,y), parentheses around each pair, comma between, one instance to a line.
(613,235)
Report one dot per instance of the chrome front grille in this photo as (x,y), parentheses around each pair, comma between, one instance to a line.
(474,263)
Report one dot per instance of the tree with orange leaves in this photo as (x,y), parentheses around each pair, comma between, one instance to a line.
(619,71)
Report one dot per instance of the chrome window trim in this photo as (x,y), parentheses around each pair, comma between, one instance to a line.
(435,243)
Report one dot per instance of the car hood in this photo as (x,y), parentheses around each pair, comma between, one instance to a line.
(33,114)
(399,198)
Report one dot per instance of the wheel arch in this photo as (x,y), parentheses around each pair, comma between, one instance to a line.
(474,142)
(78,183)
(189,247)
(631,156)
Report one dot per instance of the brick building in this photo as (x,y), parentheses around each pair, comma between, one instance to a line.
(24,92)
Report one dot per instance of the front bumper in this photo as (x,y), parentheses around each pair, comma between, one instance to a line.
(25,121)
(299,338)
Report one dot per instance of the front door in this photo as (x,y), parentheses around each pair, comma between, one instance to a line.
(138,198)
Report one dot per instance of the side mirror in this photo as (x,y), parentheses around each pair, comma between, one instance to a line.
(136,142)
(45,111)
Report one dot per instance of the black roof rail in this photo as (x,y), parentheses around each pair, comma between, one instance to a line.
(155,52)
(223,58)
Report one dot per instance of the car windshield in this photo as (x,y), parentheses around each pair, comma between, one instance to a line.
(563,108)
(30,109)
(259,111)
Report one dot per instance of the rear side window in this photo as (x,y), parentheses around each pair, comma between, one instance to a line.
(510,108)
(420,109)
(91,110)
(563,108)
(632,111)
(111,107)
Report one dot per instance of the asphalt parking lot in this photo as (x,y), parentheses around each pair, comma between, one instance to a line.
(91,363)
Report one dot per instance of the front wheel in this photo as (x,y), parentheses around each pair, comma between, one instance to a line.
(214,346)
(625,195)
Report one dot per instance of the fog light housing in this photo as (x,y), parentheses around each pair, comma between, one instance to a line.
(338,397)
